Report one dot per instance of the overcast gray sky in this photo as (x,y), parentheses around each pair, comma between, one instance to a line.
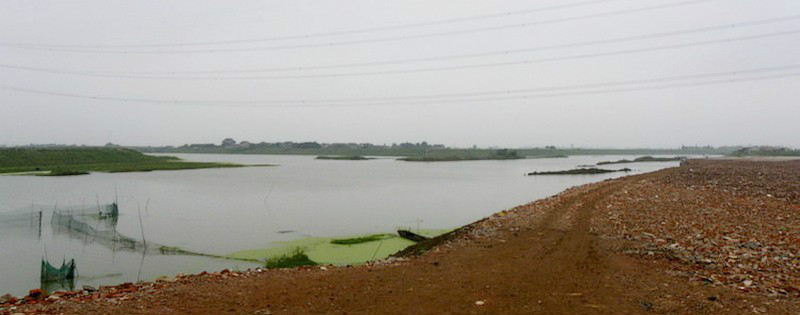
(197,71)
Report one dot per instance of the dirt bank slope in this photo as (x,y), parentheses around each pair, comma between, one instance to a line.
(616,247)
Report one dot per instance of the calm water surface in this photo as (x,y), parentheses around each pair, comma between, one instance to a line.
(219,211)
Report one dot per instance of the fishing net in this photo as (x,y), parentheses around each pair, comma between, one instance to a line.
(91,226)
(80,226)
(65,272)
(59,285)
(98,225)
(21,218)
(110,211)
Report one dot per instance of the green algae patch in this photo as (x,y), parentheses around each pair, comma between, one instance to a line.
(321,250)
(361,239)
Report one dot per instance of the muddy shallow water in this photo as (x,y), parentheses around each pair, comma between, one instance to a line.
(221,211)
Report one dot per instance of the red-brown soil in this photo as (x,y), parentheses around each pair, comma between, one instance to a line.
(688,240)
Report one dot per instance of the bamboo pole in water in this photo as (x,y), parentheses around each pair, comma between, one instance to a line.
(141,225)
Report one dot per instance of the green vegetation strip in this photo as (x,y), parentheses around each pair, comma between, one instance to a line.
(765,151)
(443,156)
(58,172)
(557,156)
(343,157)
(80,161)
(323,251)
(411,149)
(580,171)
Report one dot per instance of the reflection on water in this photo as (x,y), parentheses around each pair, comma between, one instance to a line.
(220,211)
(53,278)
(57,285)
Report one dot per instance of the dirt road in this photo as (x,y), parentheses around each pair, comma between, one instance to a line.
(553,256)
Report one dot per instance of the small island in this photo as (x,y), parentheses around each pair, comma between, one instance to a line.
(644,159)
(69,161)
(553,156)
(343,157)
(502,154)
(580,171)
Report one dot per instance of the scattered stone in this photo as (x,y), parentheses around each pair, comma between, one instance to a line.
(35,294)
(165,279)
(716,217)
(265,311)
(751,245)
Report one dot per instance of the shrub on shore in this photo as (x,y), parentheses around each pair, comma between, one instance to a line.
(296,258)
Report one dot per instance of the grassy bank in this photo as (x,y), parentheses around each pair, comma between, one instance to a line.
(444,156)
(580,171)
(453,158)
(79,161)
(556,156)
(343,157)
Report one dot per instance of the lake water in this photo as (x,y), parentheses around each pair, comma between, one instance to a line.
(219,211)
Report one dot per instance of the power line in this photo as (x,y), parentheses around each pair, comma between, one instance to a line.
(417,60)
(593,92)
(594,88)
(551,88)
(444,68)
(329,34)
(369,41)
(505,64)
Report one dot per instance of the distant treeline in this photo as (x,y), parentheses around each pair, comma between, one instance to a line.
(422,150)
(765,151)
